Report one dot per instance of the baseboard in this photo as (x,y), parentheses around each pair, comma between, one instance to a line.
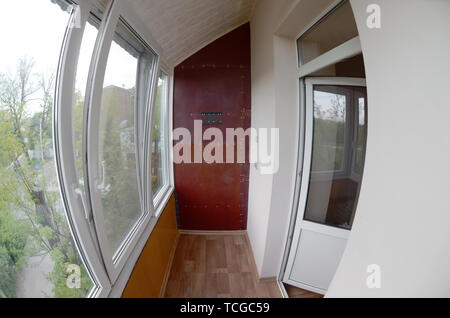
(268,279)
(255,268)
(196,232)
(169,266)
(252,257)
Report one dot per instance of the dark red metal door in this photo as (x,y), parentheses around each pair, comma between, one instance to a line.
(215,79)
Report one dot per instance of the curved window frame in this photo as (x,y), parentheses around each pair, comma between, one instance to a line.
(110,274)
(74,198)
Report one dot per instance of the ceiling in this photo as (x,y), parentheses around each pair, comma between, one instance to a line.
(181,27)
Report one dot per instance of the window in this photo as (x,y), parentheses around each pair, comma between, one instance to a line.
(361,134)
(349,67)
(86,200)
(117,150)
(336,28)
(339,137)
(116,141)
(86,51)
(37,252)
(124,104)
(330,125)
(159,137)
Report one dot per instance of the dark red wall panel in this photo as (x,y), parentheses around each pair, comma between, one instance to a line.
(216,79)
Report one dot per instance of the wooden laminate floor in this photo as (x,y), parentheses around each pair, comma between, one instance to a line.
(216,266)
(294,292)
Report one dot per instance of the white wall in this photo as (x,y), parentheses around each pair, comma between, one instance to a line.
(266,17)
(403,217)
(274,27)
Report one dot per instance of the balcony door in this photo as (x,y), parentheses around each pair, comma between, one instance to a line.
(335,117)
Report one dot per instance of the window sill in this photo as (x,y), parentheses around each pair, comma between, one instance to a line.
(161,199)
(121,282)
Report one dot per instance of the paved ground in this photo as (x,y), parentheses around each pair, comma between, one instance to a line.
(31,280)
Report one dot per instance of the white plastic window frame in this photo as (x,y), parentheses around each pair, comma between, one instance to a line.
(74,198)
(345,50)
(328,11)
(109,277)
(114,262)
(354,174)
(158,202)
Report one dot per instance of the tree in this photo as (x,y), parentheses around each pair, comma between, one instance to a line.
(25,141)
(13,236)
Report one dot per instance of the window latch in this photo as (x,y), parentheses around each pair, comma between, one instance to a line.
(87,214)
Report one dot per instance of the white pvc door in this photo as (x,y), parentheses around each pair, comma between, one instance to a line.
(334,144)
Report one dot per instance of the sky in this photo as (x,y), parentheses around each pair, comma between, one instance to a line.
(32,28)
(35,28)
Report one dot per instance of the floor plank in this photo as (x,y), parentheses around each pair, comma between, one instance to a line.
(294,292)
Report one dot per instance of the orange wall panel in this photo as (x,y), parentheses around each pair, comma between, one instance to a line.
(148,275)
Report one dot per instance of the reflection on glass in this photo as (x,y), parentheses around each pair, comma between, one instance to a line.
(36,246)
(336,167)
(361,135)
(158,135)
(329,131)
(335,29)
(119,184)
(86,51)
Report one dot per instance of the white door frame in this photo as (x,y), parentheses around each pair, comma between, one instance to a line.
(346,50)
(305,175)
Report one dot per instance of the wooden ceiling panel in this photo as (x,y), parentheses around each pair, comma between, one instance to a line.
(182,27)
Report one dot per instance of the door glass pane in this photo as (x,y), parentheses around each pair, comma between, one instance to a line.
(333,188)
(330,107)
(37,251)
(119,186)
(333,30)
(158,135)
(361,135)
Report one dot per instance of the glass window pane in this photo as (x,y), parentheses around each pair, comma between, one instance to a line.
(333,30)
(351,67)
(86,51)
(361,135)
(329,130)
(118,160)
(333,188)
(158,135)
(36,247)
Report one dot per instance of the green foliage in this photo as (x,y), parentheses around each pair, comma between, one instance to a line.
(329,134)
(59,277)
(13,237)
(7,274)
(328,149)
(31,219)
(120,195)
